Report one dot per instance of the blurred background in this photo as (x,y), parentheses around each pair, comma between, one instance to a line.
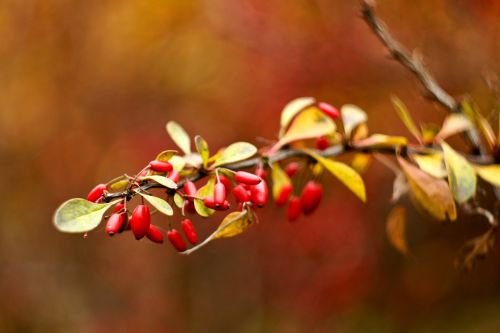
(85,90)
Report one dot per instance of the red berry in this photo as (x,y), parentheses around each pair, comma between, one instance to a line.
(160,166)
(311,197)
(176,240)
(119,207)
(226,181)
(219,194)
(292,168)
(285,192)
(322,142)
(241,194)
(260,172)
(225,205)
(96,193)
(329,110)
(154,234)
(209,202)
(174,175)
(259,194)
(189,231)
(247,178)
(189,207)
(115,223)
(294,208)
(140,222)
(189,188)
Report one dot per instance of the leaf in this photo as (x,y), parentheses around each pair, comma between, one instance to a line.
(118,185)
(396,229)
(400,187)
(167,182)
(490,173)
(406,118)
(233,224)
(432,194)
(344,173)
(433,164)
(361,162)
(475,249)
(203,192)
(279,178)
(461,175)
(179,136)
(202,148)
(453,124)
(193,159)
(429,132)
(381,141)
(352,117)
(178,200)
(158,203)
(79,215)
(235,152)
(310,123)
(471,111)
(166,155)
(177,162)
(291,109)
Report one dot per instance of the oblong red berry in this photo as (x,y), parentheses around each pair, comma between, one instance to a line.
(96,193)
(176,240)
(292,168)
(115,223)
(140,222)
(119,207)
(225,205)
(219,194)
(247,178)
(322,142)
(189,231)
(226,181)
(174,175)
(154,234)
(284,194)
(259,193)
(189,188)
(160,166)
(329,110)
(241,194)
(311,197)
(294,208)
(189,207)
(209,202)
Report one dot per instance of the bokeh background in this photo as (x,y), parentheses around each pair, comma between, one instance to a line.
(85,90)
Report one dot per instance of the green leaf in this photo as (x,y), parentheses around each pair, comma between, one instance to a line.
(202,147)
(461,175)
(406,118)
(165,155)
(235,152)
(158,203)
(280,179)
(344,173)
(432,194)
(118,185)
(167,182)
(179,136)
(291,109)
(453,124)
(310,123)
(204,192)
(178,200)
(79,215)
(396,229)
(490,173)
(352,117)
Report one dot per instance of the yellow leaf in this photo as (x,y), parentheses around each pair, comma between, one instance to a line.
(433,164)
(177,162)
(167,182)
(432,194)
(233,224)
(406,118)
(279,178)
(118,184)
(361,162)
(381,141)
(352,117)
(490,173)
(453,124)
(202,148)
(166,155)
(396,229)
(291,109)
(471,111)
(204,192)
(429,132)
(179,136)
(235,152)
(461,175)
(344,173)
(310,123)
